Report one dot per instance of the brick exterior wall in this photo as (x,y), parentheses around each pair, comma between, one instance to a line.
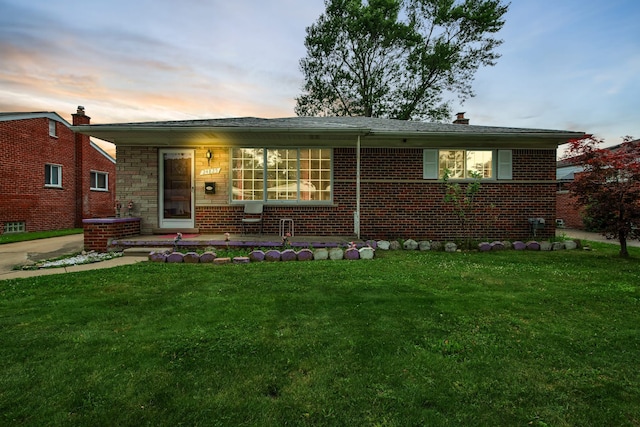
(395,200)
(25,147)
(99,232)
(566,210)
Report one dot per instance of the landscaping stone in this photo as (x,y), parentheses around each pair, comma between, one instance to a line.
(336,254)
(321,254)
(507,244)
(484,246)
(384,245)
(498,246)
(533,246)
(305,255)
(222,261)
(395,245)
(436,246)
(367,252)
(288,255)
(241,260)
(545,246)
(191,258)
(570,245)
(272,255)
(371,244)
(424,245)
(450,247)
(410,245)
(158,257)
(175,257)
(352,254)
(557,246)
(519,246)
(257,255)
(207,257)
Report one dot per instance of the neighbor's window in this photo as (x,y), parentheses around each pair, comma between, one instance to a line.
(99,181)
(281,175)
(52,128)
(14,227)
(53,176)
(462,164)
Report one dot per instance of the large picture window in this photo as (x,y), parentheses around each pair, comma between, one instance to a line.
(281,175)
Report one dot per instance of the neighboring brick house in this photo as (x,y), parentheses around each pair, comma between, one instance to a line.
(567,213)
(52,177)
(369,177)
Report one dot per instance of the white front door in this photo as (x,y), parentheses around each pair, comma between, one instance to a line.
(176,188)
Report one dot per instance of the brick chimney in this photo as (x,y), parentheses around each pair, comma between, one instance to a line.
(83,167)
(460,120)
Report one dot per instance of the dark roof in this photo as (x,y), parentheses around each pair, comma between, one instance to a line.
(322,131)
(366,124)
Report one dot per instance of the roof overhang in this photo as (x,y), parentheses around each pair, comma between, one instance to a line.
(213,136)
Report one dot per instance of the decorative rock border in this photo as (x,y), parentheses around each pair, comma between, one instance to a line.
(353,252)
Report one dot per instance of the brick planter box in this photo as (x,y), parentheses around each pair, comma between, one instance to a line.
(98,232)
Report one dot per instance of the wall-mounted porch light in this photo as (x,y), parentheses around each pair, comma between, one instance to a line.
(209,155)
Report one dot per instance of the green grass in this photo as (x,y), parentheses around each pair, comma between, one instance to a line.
(23,237)
(407,339)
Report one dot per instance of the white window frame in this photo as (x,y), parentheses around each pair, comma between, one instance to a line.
(52,168)
(53,128)
(502,164)
(15,227)
(94,181)
(260,186)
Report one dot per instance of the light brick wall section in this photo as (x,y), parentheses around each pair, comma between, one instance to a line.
(137,180)
(220,160)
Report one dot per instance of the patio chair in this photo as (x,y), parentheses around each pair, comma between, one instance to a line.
(252,215)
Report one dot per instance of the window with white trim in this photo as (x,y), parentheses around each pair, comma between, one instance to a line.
(52,176)
(99,181)
(291,175)
(463,164)
(52,128)
(14,227)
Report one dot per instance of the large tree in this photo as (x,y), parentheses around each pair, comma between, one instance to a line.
(609,186)
(401,59)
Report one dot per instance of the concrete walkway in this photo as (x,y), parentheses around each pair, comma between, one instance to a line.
(593,237)
(23,253)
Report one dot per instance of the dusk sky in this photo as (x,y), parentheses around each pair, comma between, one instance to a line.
(566,64)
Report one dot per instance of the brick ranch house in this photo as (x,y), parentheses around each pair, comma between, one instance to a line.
(52,177)
(369,177)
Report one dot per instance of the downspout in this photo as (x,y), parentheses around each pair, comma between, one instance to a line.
(356,214)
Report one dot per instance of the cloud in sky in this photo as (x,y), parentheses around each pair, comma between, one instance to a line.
(566,64)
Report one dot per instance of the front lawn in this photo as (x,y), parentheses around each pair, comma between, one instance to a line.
(466,339)
(35,235)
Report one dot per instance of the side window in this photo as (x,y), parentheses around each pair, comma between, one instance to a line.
(99,181)
(52,128)
(464,164)
(53,176)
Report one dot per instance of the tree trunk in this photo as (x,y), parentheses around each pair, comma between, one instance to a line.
(624,252)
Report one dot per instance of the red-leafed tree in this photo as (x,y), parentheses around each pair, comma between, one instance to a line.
(609,186)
